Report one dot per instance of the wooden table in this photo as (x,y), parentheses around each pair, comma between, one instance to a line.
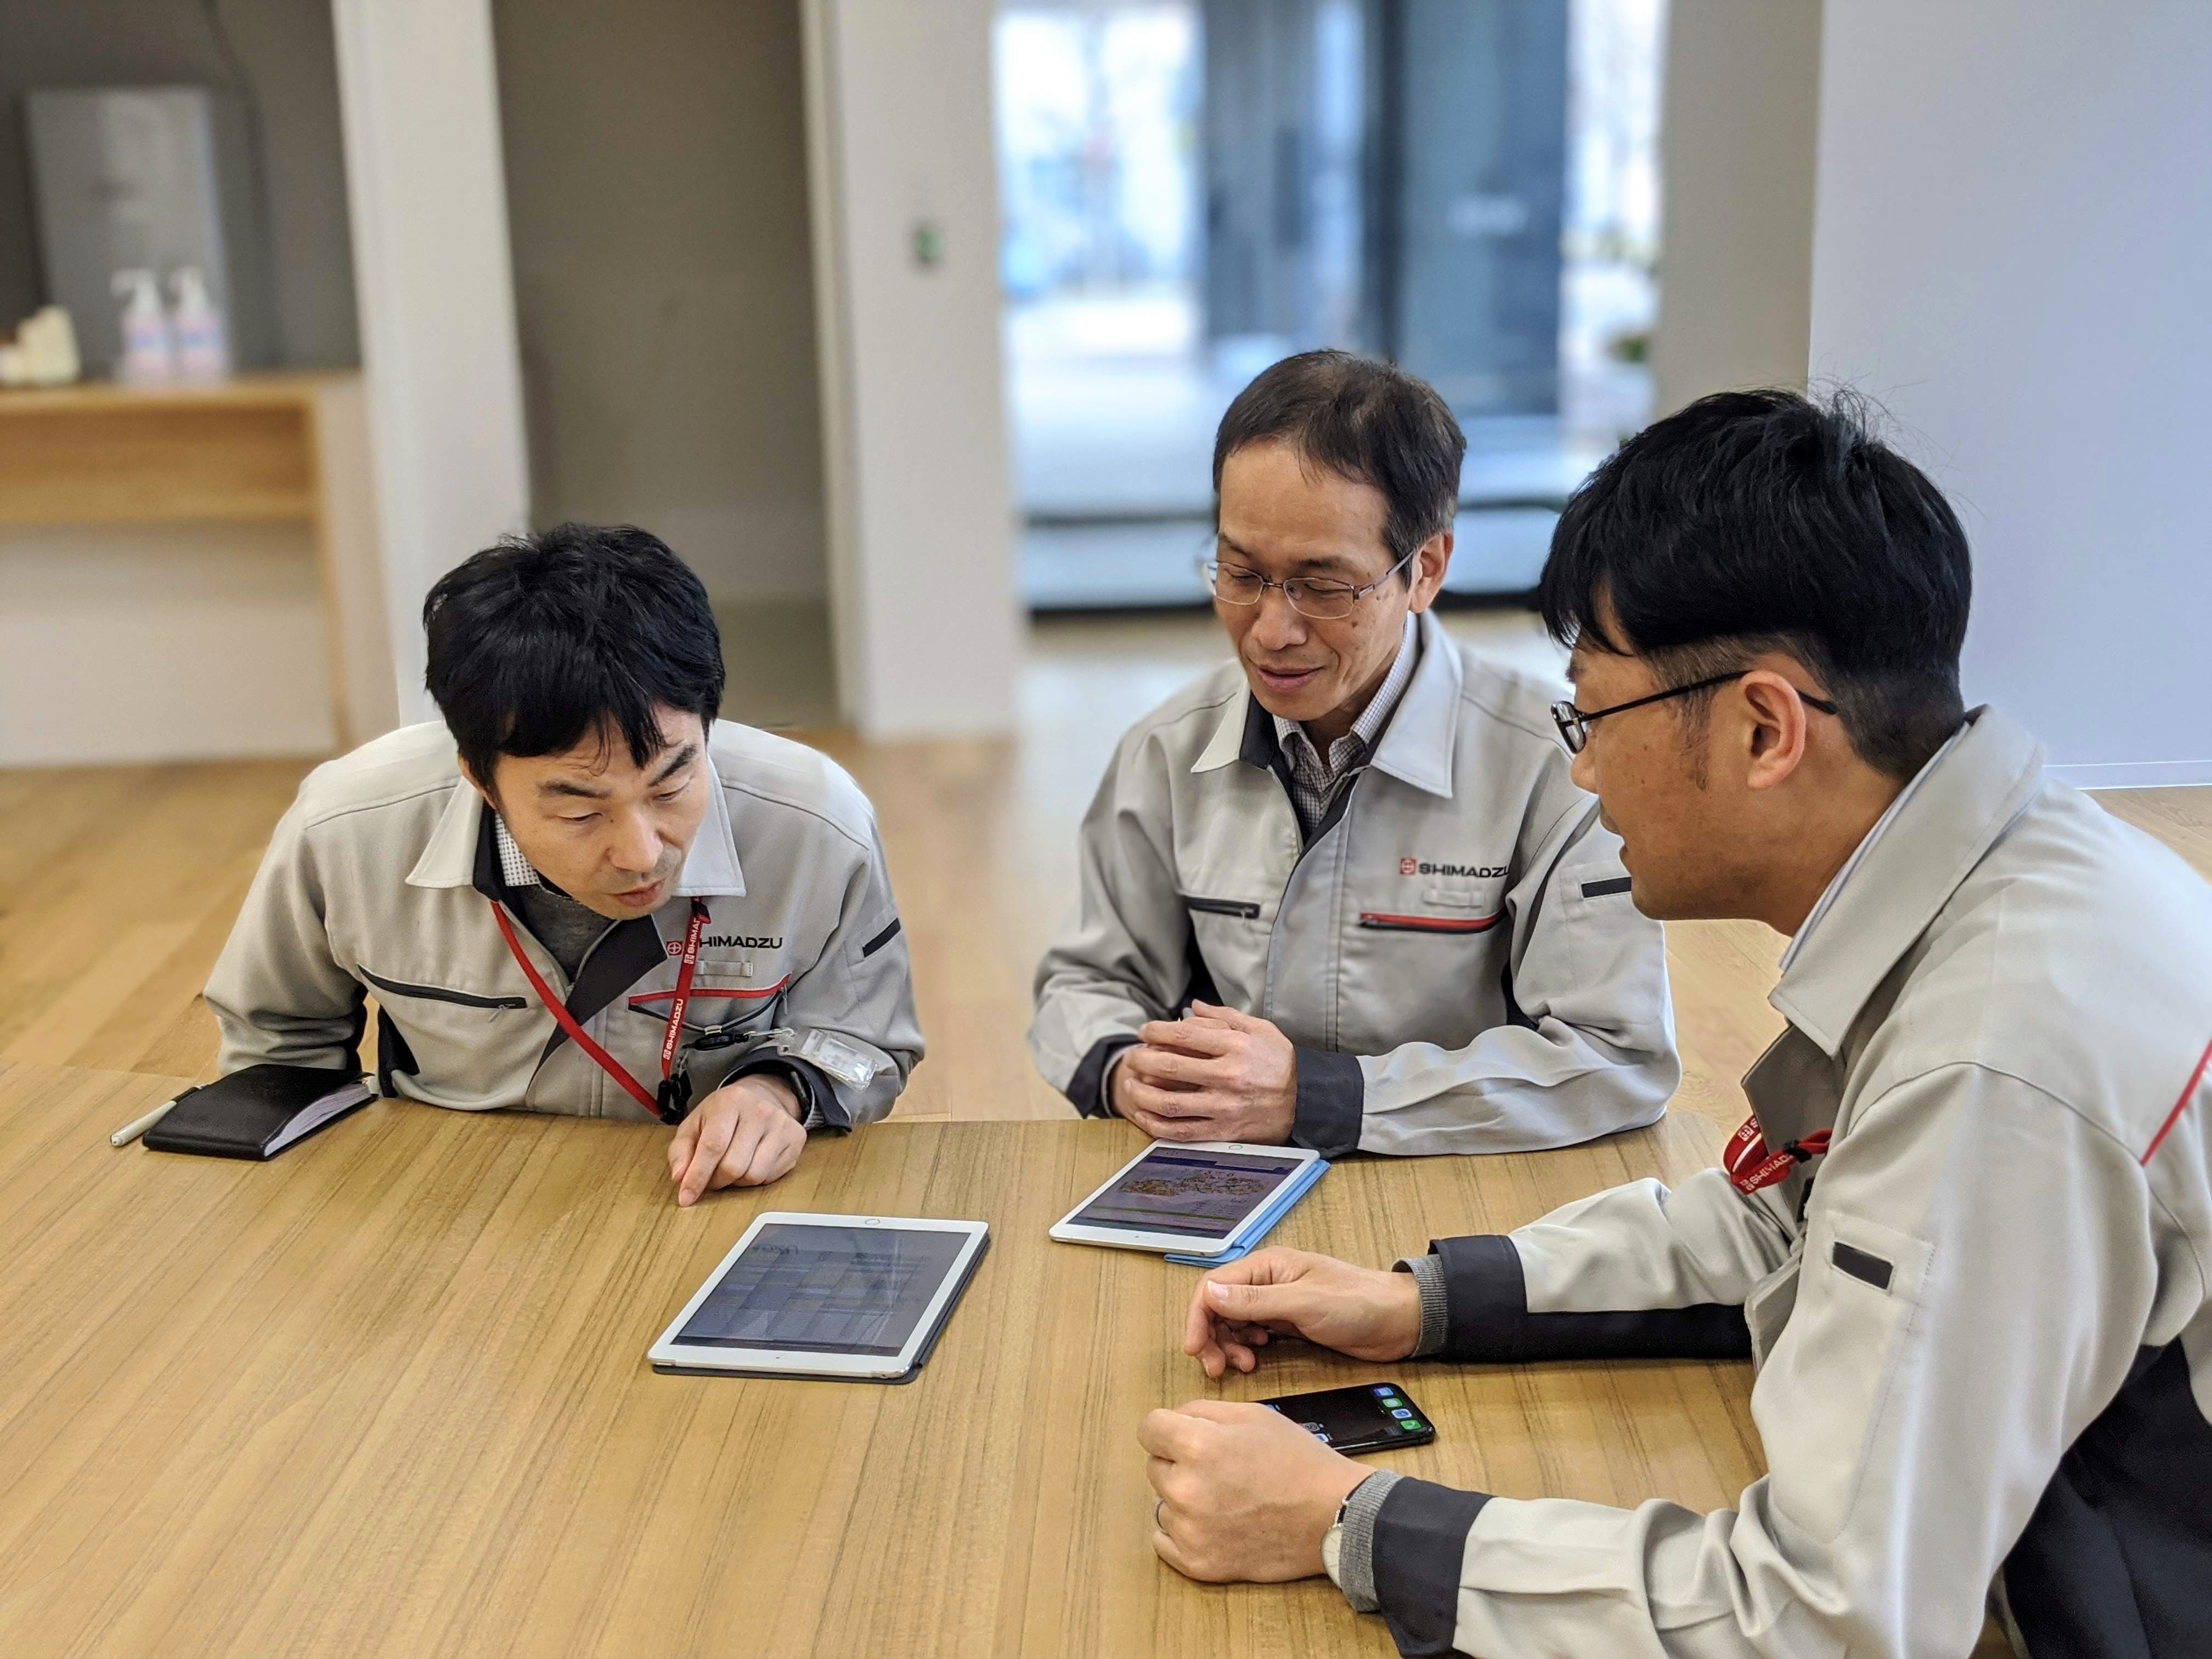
(388,1395)
(276,447)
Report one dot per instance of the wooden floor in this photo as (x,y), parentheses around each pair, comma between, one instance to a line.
(117,884)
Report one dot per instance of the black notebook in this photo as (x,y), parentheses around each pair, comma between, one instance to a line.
(258,1112)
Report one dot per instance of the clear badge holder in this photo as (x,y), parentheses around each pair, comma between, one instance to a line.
(847,1063)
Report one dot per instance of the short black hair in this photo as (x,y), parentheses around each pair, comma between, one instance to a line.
(1756,521)
(539,640)
(1363,419)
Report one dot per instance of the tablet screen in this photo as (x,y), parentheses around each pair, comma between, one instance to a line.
(826,1290)
(1183,1189)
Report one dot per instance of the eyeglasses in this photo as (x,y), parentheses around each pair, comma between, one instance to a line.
(1313,597)
(1574,725)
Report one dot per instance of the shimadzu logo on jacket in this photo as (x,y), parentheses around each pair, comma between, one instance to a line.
(730,942)
(1479,871)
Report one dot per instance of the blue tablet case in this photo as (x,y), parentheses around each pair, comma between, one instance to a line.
(1294,1189)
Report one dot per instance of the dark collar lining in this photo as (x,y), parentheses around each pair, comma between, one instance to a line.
(626,954)
(1259,746)
(490,879)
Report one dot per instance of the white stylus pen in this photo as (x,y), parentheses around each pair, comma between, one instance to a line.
(138,1126)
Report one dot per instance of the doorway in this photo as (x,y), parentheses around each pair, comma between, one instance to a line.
(1194,189)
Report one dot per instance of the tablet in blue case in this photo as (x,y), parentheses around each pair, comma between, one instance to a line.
(1276,1207)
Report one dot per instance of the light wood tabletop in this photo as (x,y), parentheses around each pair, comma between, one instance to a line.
(388,1395)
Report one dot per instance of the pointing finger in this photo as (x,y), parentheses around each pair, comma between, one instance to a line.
(713,1141)
(680,1145)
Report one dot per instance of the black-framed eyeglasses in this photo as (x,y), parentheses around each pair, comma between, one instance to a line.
(1574,725)
(1315,597)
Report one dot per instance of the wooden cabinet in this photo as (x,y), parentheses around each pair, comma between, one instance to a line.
(290,447)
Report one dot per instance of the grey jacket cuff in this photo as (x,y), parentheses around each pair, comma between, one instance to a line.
(1428,1272)
(1355,1557)
(1086,1091)
(1332,1102)
(1419,1556)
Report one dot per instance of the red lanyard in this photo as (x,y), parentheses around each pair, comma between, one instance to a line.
(1751,1166)
(661,1105)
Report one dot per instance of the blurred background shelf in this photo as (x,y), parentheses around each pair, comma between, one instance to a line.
(125,512)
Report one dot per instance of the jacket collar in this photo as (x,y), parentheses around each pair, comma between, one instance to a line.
(1416,746)
(1962,806)
(450,857)
(1419,745)
(1243,732)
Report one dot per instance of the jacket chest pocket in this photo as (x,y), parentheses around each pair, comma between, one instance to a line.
(1244,909)
(406,990)
(1446,924)
(439,1015)
(1461,898)
(1231,936)
(455,1039)
(1447,906)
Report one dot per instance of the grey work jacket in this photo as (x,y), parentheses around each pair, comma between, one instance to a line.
(1983,1320)
(379,882)
(1453,951)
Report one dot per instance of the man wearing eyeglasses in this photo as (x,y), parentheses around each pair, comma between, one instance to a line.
(1966,1238)
(1343,892)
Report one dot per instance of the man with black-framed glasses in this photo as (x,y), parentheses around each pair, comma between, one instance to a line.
(1965,1236)
(1343,891)
(1575,723)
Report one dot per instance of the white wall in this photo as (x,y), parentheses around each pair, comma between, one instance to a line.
(920,505)
(2011,250)
(656,172)
(429,210)
(1739,120)
(167,643)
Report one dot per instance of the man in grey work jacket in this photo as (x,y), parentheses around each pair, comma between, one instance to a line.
(1966,1238)
(1343,892)
(583,893)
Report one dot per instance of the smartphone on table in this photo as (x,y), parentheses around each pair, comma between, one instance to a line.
(1374,1417)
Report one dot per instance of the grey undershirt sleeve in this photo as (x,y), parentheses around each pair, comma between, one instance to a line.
(1355,1558)
(1428,1272)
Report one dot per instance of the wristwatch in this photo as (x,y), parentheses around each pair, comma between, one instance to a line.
(1331,1542)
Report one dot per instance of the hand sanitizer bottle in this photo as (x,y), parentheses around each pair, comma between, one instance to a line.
(202,341)
(147,359)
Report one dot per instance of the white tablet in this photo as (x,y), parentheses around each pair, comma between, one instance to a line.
(858,1297)
(1194,1197)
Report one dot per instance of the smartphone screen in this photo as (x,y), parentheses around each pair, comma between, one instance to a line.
(1371,1418)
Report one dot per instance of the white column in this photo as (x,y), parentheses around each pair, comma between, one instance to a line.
(921,506)
(2010,248)
(428,197)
